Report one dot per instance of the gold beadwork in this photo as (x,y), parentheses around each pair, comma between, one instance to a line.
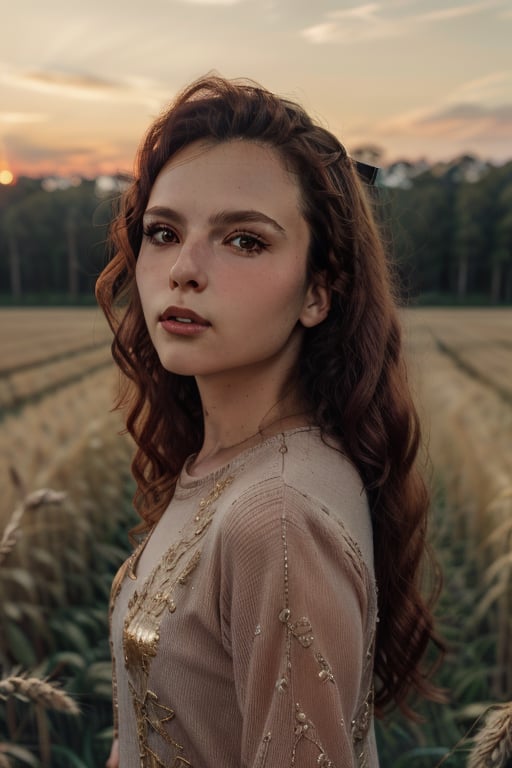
(141,633)
(361,723)
(305,729)
(324,762)
(325,673)
(264,750)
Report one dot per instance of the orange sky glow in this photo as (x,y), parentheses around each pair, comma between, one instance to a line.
(417,78)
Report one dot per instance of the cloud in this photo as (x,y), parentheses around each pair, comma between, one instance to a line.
(84,86)
(490,89)
(457,12)
(22,118)
(469,120)
(33,151)
(43,158)
(463,116)
(364,22)
(375,21)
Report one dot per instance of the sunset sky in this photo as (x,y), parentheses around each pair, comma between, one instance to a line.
(80,82)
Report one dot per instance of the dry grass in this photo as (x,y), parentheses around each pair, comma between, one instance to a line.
(40,692)
(34,335)
(50,408)
(34,501)
(493,743)
(462,370)
(67,440)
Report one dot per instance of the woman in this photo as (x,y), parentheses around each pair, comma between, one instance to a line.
(276,437)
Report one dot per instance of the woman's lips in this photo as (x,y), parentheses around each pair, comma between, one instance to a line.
(183,322)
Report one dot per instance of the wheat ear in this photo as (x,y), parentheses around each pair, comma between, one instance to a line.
(41,692)
(32,501)
(493,743)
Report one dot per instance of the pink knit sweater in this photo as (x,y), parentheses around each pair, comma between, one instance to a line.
(243,628)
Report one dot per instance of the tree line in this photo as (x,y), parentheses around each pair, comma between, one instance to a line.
(448,227)
(451,232)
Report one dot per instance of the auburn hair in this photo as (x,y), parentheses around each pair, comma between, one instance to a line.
(351,368)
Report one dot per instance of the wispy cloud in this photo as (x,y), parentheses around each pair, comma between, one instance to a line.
(457,12)
(47,159)
(494,88)
(363,22)
(464,115)
(374,21)
(22,118)
(85,86)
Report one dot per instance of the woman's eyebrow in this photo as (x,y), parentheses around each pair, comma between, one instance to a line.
(235,217)
(166,213)
(222,217)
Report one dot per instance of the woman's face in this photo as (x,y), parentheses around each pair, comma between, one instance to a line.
(221,271)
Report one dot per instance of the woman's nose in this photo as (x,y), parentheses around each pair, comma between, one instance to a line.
(188,269)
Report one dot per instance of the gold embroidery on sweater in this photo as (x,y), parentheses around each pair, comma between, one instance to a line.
(264,750)
(142,624)
(305,730)
(325,674)
(141,633)
(302,631)
(361,723)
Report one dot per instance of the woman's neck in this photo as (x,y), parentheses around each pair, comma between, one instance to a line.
(238,415)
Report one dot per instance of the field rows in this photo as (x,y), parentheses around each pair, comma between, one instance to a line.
(462,360)
(17,389)
(30,337)
(478,342)
(60,433)
(463,383)
(49,408)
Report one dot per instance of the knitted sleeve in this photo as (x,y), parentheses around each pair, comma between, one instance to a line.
(296,621)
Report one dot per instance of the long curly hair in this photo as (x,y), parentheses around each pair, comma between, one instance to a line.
(351,367)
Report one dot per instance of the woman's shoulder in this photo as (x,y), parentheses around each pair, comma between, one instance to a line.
(300,479)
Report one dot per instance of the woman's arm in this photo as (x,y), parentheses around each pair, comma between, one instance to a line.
(113,760)
(298,623)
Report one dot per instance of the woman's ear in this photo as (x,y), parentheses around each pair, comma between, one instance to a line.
(317,302)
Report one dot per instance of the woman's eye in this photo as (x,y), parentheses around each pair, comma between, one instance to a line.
(159,234)
(248,243)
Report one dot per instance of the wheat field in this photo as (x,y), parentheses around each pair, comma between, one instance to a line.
(57,431)
(56,391)
(461,368)
(57,386)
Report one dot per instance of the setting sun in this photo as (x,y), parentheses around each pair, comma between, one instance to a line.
(6,177)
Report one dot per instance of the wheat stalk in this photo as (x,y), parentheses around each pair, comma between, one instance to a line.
(41,692)
(33,501)
(493,743)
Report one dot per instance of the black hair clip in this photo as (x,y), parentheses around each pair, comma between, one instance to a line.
(367,173)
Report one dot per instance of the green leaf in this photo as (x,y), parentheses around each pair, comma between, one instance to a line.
(405,761)
(19,646)
(46,559)
(105,736)
(70,636)
(68,759)
(21,578)
(66,659)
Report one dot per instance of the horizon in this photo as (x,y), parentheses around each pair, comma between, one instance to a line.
(420,80)
(75,179)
